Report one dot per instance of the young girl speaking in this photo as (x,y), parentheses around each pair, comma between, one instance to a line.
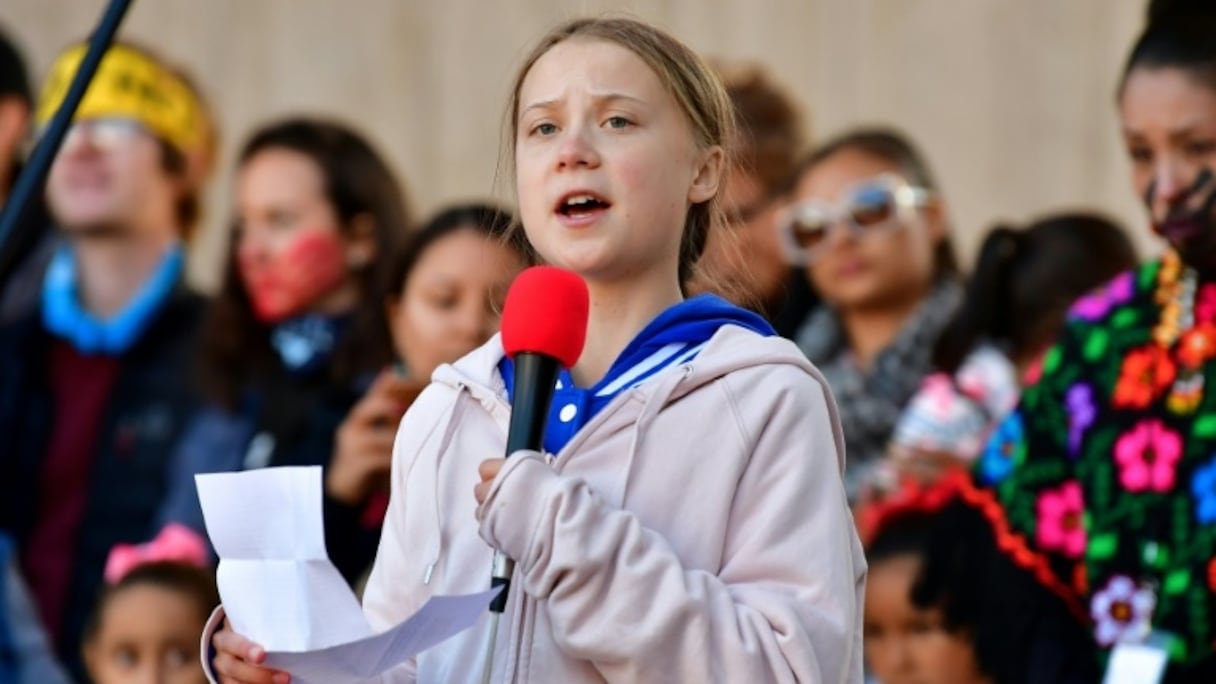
(687,522)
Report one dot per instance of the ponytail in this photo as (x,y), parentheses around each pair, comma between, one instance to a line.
(1026,279)
(985,312)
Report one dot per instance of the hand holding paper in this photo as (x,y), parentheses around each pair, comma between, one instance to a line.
(280,589)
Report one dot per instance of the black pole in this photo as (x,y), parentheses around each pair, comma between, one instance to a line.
(17,234)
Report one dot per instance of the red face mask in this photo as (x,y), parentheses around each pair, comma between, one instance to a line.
(286,283)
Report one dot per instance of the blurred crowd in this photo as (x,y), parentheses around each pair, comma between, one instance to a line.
(1029,440)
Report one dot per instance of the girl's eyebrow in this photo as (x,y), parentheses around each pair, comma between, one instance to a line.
(605,98)
(1183,131)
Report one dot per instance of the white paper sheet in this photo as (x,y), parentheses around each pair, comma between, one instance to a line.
(280,589)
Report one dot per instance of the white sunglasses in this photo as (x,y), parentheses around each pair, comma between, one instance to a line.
(873,206)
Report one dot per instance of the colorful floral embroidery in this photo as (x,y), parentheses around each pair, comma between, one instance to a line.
(1205,304)
(1081,413)
(1197,345)
(1121,610)
(998,459)
(1105,475)
(1147,456)
(1146,372)
(1095,306)
(1203,487)
(1060,527)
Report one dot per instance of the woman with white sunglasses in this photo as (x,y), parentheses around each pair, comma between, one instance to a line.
(868,224)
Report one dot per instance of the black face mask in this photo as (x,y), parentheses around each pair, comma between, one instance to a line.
(1189,223)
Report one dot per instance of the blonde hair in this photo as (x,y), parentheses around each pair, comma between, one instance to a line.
(685,75)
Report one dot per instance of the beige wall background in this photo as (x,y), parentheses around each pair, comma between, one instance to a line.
(1012,100)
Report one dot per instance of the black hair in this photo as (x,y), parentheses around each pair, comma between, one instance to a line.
(897,148)
(191,580)
(1025,280)
(1021,631)
(491,221)
(14,77)
(906,534)
(1179,35)
(912,533)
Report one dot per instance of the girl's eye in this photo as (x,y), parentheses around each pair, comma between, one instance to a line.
(618,122)
(1201,148)
(282,219)
(443,301)
(126,657)
(1140,155)
(544,129)
(177,657)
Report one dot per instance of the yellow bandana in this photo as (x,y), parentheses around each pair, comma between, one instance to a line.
(129,84)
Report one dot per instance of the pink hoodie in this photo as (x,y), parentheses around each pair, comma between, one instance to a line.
(695,530)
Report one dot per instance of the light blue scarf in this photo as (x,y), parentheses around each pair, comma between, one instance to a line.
(65,317)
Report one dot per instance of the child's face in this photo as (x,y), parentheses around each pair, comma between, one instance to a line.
(147,635)
(451,300)
(907,645)
(606,163)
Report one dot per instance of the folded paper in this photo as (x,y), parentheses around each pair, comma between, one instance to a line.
(280,589)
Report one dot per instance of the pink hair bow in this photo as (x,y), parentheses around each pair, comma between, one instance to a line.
(174,543)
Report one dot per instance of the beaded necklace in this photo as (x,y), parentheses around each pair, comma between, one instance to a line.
(1186,342)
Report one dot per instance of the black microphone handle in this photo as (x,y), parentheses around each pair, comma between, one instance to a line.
(535,380)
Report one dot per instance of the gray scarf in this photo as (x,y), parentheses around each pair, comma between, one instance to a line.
(871,402)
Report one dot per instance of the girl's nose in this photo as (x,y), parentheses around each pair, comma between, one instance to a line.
(577,150)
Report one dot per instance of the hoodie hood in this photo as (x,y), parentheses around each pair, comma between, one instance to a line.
(736,339)
(673,338)
(693,321)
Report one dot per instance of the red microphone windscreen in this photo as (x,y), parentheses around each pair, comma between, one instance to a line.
(546,313)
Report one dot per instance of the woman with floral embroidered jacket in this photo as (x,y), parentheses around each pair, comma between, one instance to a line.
(1107,470)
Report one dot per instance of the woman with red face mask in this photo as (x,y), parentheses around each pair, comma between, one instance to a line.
(298,331)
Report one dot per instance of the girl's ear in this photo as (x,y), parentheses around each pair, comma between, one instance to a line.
(709,175)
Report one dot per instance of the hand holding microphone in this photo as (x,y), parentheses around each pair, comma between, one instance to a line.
(544,326)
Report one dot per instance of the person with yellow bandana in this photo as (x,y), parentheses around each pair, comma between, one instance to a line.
(95,384)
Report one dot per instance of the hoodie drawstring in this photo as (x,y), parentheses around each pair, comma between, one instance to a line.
(655,403)
(449,430)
